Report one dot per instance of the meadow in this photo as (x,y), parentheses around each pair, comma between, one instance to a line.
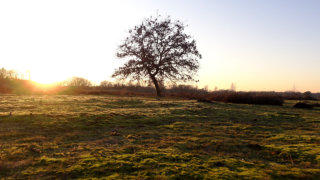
(112,137)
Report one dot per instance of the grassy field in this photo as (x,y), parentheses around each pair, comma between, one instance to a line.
(138,138)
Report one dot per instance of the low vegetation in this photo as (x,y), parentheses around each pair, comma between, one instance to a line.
(13,83)
(65,136)
(260,98)
(303,105)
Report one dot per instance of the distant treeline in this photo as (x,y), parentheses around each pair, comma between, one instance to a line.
(10,83)
(191,92)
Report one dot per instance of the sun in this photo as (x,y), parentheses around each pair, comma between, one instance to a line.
(44,80)
(47,78)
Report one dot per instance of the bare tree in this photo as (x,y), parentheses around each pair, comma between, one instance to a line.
(158,49)
(8,74)
(78,82)
(105,84)
(3,73)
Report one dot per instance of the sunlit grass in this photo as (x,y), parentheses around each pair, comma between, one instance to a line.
(129,137)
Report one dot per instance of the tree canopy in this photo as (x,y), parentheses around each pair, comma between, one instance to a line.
(158,49)
(78,82)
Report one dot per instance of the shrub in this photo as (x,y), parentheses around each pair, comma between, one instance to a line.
(204,100)
(316,105)
(303,105)
(260,98)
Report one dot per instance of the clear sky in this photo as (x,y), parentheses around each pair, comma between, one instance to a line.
(258,45)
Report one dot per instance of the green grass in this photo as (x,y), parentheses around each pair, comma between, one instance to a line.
(110,137)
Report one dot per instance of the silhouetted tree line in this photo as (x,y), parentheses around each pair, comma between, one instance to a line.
(77,82)
(11,83)
(8,74)
(193,92)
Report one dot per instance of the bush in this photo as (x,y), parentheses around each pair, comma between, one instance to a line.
(316,105)
(260,98)
(303,105)
(204,100)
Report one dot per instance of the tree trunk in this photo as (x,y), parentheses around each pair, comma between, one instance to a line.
(156,85)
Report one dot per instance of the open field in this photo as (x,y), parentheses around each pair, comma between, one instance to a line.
(131,137)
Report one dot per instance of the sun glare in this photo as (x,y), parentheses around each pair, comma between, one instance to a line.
(44,80)
(47,78)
